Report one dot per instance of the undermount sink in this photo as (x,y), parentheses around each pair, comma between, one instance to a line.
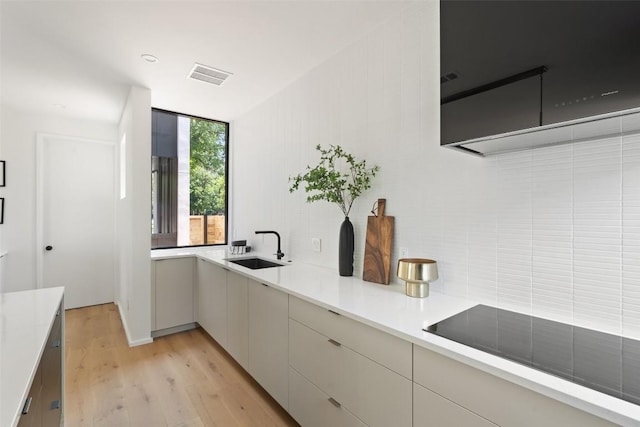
(255,263)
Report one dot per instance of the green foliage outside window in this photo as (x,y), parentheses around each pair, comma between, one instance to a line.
(207,164)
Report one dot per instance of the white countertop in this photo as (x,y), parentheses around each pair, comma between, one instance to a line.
(389,309)
(25,322)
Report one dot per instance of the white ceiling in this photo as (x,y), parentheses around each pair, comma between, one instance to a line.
(84,55)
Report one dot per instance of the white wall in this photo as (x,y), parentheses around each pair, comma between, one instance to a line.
(17,145)
(18,142)
(184,180)
(132,220)
(553,232)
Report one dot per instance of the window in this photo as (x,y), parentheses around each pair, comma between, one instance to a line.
(123,167)
(188,180)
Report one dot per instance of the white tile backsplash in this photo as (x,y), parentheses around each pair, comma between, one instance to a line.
(554,232)
(631,235)
(597,233)
(552,257)
(514,230)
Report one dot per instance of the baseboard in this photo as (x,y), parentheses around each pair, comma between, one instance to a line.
(132,343)
(173,330)
(140,342)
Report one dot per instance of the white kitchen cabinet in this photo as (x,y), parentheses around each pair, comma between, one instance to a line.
(313,408)
(212,300)
(358,380)
(433,410)
(173,293)
(497,400)
(238,317)
(269,340)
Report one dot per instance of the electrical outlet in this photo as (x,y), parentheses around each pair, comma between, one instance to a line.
(317,244)
(404,253)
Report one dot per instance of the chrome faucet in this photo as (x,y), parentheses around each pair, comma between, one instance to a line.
(279,254)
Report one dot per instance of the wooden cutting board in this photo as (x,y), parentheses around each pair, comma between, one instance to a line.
(377,250)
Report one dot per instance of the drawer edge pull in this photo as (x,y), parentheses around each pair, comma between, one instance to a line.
(334,402)
(334,342)
(27,405)
(335,312)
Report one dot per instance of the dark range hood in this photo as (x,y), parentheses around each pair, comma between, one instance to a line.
(517,75)
(589,128)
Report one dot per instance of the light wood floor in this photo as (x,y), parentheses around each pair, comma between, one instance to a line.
(184,379)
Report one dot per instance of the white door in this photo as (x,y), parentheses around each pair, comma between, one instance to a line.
(75,218)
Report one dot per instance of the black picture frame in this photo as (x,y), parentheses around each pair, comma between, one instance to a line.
(1,210)
(3,179)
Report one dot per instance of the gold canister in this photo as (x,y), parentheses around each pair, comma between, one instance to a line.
(417,273)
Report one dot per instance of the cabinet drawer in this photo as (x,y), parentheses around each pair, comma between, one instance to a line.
(312,408)
(375,394)
(433,410)
(493,398)
(389,351)
(51,364)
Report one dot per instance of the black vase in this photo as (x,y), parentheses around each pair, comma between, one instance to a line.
(345,250)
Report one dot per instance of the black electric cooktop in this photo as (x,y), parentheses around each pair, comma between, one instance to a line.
(604,362)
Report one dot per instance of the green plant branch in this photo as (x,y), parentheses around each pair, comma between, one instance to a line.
(326,182)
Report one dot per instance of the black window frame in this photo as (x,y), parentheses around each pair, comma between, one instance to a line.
(226,180)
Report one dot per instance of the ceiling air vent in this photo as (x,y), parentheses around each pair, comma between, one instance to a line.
(208,74)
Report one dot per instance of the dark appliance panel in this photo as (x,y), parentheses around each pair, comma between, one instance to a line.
(589,50)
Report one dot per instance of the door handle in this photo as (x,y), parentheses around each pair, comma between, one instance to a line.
(48,247)
(334,402)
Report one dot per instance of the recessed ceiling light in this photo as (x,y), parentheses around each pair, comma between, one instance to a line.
(149,58)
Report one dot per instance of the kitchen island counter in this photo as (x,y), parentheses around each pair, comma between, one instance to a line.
(26,319)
